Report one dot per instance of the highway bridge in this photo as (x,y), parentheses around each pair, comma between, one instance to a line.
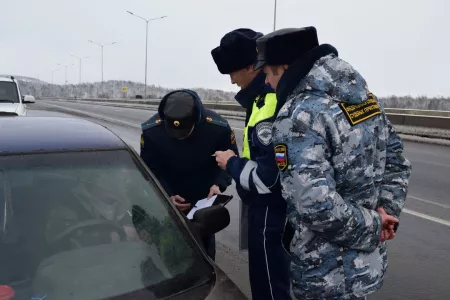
(419,257)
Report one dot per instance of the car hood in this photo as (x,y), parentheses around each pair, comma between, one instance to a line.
(9,107)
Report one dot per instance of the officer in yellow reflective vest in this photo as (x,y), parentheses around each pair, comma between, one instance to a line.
(256,173)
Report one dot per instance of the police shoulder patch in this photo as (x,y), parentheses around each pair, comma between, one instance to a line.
(281,156)
(264,132)
(142,141)
(358,113)
(152,122)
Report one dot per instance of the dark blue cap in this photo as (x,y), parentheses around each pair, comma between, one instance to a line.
(179,112)
(284,46)
(237,50)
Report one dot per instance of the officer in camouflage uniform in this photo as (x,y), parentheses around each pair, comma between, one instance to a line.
(343,172)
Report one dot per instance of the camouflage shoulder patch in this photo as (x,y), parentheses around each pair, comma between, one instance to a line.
(281,156)
(152,122)
(233,137)
(358,113)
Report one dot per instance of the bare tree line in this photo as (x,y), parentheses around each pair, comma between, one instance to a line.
(110,89)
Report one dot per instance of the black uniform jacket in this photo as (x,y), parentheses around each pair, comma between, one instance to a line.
(186,167)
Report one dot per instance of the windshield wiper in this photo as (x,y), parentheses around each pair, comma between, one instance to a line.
(6,100)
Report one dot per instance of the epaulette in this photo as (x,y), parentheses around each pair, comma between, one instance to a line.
(213,118)
(152,122)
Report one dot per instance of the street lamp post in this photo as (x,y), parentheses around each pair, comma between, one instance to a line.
(275,16)
(79,59)
(65,75)
(146,44)
(101,46)
(53,71)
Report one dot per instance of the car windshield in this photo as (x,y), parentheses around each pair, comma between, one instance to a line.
(91,225)
(8,92)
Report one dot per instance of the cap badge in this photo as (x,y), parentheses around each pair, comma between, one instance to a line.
(176,123)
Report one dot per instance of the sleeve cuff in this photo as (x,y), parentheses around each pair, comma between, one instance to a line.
(221,184)
(378,227)
(230,164)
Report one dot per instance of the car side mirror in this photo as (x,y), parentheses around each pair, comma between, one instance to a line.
(208,221)
(27,99)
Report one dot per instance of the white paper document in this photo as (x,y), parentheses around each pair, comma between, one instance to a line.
(204,203)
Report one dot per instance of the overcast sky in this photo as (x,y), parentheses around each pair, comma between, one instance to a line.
(400,46)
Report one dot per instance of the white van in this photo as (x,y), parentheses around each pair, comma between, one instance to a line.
(11,103)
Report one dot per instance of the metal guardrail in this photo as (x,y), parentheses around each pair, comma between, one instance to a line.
(420,121)
(398,116)
(418,112)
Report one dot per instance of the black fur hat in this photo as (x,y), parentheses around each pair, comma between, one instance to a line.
(284,46)
(237,50)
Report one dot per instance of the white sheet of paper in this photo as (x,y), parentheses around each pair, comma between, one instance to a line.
(204,203)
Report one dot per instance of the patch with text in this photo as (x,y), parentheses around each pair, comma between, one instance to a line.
(357,113)
(281,156)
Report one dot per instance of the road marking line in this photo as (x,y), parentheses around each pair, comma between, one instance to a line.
(428,162)
(426,217)
(429,202)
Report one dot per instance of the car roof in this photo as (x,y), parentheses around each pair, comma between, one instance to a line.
(6,79)
(31,134)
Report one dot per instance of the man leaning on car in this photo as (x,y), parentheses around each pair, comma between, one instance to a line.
(178,144)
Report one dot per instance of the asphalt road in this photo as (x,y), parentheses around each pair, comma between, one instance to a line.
(419,257)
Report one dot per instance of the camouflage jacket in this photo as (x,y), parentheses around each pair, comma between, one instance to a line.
(340,159)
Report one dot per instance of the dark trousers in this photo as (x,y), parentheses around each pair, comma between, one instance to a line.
(269,263)
(210,246)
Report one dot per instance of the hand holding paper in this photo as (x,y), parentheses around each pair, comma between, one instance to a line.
(214,190)
(204,203)
(201,204)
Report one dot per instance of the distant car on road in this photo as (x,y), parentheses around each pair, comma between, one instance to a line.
(139,97)
(11,103)
(82,217)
